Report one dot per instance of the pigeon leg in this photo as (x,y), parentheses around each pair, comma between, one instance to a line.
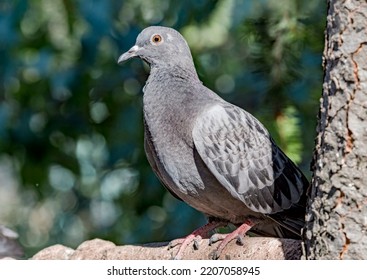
(195,236)
(238,234)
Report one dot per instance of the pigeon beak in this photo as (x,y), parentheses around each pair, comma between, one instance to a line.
(129,54)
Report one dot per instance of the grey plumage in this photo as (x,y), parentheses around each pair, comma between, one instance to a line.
(213,155)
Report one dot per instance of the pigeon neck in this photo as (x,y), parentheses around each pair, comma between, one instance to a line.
(182,72)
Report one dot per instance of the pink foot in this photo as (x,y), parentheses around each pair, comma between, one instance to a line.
(195,236)
(238,234)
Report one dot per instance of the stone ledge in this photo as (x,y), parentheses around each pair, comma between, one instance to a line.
(254,248)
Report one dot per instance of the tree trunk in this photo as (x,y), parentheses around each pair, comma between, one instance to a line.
(336,223)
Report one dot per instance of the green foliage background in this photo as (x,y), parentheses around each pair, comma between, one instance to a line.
(72,164)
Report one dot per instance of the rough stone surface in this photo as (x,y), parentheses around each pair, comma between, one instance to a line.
(255,248)
(55,252)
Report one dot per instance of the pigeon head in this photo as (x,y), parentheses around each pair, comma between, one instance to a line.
(160,47)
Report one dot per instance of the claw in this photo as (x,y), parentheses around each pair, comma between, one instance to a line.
(213,255)
(197,242)
(216,237)
(195,236)
(240,240)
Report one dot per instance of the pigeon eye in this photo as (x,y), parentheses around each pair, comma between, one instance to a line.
(156,39)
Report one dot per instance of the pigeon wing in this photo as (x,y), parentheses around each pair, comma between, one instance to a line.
(240,153)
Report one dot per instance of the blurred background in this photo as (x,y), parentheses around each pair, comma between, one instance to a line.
(72,163)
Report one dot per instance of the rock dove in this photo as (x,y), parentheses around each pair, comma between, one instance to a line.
(211,154)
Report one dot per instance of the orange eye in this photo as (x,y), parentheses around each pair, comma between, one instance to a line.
(156,39)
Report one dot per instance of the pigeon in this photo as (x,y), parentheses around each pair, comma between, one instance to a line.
(211,154)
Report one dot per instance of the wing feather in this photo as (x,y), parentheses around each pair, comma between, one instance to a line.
(240,153)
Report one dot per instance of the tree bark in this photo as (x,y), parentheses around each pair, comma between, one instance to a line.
(336,220)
